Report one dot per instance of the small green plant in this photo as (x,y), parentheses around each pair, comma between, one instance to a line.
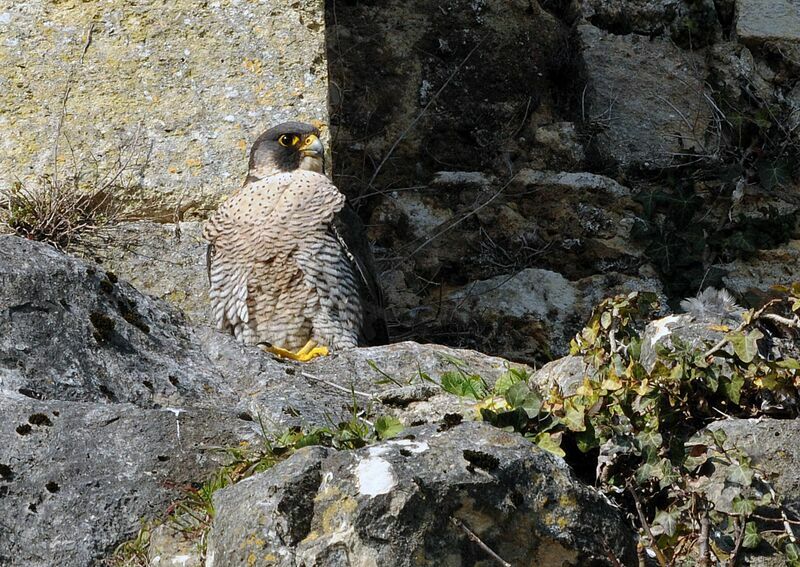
(193,514)
(646,429)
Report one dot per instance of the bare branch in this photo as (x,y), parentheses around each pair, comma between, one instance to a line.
(474,538)
(423,111)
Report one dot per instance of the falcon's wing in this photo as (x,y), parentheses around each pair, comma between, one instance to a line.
(350,233)
(264,220)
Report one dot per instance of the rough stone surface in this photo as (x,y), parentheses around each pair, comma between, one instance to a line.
(169,547)
(393,503)
(113,344)
(689,23)
(699,333)
(78,477)
(521,263)
(390,60)
(567,374)
(765,20)
(644,99)
(774,446)
(118,345)
(178,90)
(755,275)
(304,394)
(130,397)
(167,260)
(630,16)
(541,302)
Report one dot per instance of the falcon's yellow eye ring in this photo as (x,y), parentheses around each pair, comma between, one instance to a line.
(288,141)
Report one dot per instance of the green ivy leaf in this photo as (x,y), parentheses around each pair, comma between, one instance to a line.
(744,506)
(668,520)
(751,536)
(550,442)
(774,174)
(574,416)
(507,379)
(740,473)
(515,395)
(719,436)
(792,552)
(646,471)
(790,363)
(464,385)
(667,474)
(387,427)
(649,439)
(732,388)
(532,404)
(745,346)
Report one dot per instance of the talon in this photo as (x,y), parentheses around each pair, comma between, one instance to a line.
(310,351)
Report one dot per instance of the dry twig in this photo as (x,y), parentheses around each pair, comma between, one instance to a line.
(423,111)
(337,386)
(474,538)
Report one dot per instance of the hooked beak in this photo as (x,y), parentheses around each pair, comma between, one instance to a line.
(312,147)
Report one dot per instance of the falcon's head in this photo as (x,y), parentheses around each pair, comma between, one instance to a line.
(286,147)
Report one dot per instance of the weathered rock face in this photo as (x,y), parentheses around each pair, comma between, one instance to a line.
(660,113)
(167,260)
(410,501)
(76,478)
(688,23)
(112,402)
(174,91)
(773,446)
(759,20)
(535,304)
(388,61)
(482,239)
(767,268)
(70,331)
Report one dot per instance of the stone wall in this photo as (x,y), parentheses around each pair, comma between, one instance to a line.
(173,92)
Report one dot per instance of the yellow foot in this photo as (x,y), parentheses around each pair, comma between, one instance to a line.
(311,350)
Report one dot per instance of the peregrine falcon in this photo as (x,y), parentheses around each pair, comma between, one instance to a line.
(284,269)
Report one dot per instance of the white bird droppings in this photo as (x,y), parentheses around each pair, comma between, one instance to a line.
(662,328)
(375,476)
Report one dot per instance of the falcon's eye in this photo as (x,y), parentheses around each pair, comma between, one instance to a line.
(288,141)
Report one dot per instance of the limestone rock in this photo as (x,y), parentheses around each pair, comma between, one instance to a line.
(167,260)
(567,374)
(525,249)
(773,446)
(699,333)
(644,99)
(177,91)
(70,331)
(766,268)
(409,501)
(541,303)
(77,478)
(766,20)
(391,59)
(644,17)
(169,547)
(111,403)
(558,144)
